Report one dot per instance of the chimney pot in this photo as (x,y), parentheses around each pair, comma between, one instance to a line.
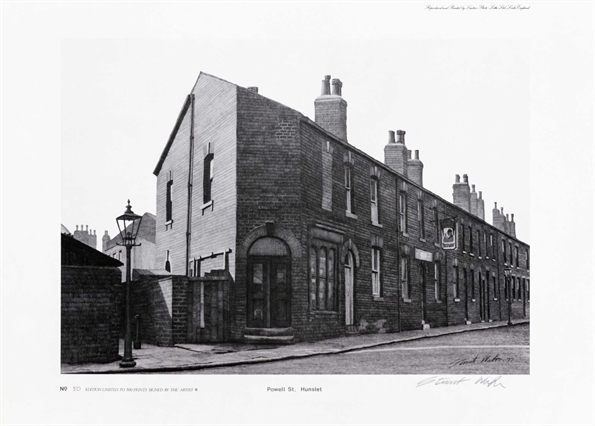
(480,195)
(326,86)
(391,136)
(417,154)
(457,178)
(473,188)
(496,205)
(409,154)
(465,179)
(337,85)
(502,211)
(512,216)
(401,136)
(507,218)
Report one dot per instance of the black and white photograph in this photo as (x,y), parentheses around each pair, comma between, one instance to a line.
(297,213)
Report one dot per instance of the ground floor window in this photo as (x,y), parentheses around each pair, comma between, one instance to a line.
(405,282)
(323,272)
(437,282)
(376,287)
(456,292)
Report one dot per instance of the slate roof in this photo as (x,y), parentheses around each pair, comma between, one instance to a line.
(146,231)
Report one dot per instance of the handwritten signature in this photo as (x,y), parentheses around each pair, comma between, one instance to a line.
(485,381)
(476,360)
(479,7)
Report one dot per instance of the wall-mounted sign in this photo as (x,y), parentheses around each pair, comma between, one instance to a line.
(449,234)
(423,255)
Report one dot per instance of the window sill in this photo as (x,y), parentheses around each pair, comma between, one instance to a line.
(437,244)
(438,301)
(464,252)
(495,298)
(206,206)
(479,257)
(351,215)
(377,225)
(323,312)
(471,254)
(406,300)
(456,299)
(423,240)
(473,300)
(169,224)
(405,234)
(378,299)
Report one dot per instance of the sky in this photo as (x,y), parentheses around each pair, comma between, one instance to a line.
(464,104)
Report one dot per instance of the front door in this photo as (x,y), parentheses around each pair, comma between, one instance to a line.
(422,278)
(269,293)
(349,288)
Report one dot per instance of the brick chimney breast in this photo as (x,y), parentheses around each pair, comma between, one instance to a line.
(330,110)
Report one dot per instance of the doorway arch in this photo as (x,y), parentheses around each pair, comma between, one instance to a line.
(269,283)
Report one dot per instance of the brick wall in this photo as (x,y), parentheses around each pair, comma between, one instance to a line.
(91,318)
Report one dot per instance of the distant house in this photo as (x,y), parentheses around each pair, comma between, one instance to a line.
(91,319)
(143,256)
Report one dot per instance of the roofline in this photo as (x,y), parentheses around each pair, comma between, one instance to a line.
(398,175)
(172,136)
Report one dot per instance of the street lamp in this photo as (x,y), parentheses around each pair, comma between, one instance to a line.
(508,295)
(128,224)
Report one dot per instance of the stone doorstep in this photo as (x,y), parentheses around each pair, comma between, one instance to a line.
(288,331)
(279,340)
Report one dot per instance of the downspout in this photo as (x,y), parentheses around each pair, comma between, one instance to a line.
(190,180)
(400,292)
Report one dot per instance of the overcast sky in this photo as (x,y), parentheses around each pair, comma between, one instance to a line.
(464,104)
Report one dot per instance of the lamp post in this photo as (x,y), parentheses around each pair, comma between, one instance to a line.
(508,294)
(128,224)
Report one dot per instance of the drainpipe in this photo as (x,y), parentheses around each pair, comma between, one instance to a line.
(190,180)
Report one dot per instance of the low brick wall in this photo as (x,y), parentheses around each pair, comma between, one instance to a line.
(162,305)
(91,315)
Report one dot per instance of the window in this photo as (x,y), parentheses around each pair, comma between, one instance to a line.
(472,272)
(420,219)
(465,282)
(168,201)
(403,212)
(510,252)
(376,288)
(527,251)
(504,251)
(120,255)
(519,289)
(374,199)
(436,225)
(405,284)
(470,240)
(516,256)
(323,276)
(348,190)
(479,243)
(528,293)
(463,237)
(437,283)
(209,165)
(494,284)
(492,246)
(456,292)
(167,264)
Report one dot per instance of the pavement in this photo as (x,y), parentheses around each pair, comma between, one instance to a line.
(155,359)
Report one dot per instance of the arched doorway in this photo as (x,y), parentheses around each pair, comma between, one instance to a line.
(349,287)
(269,284)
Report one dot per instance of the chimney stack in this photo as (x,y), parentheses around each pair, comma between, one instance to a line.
(461,194)
(473,201)
(104,241)
(497,218)
(512,226)
(395,152)
(415,168)
(481,207)
(330,110)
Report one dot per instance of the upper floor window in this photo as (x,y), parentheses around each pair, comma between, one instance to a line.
(527,251)
(374,199)
(403,212)
(376,287)
(209,164)
(491,250)
(510,251)
(470,240)
(348,189)
(528,292)
(516,256)
(504,251)
(463,245)
(436,225)
(420,219)
(479,243)
(168,201)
